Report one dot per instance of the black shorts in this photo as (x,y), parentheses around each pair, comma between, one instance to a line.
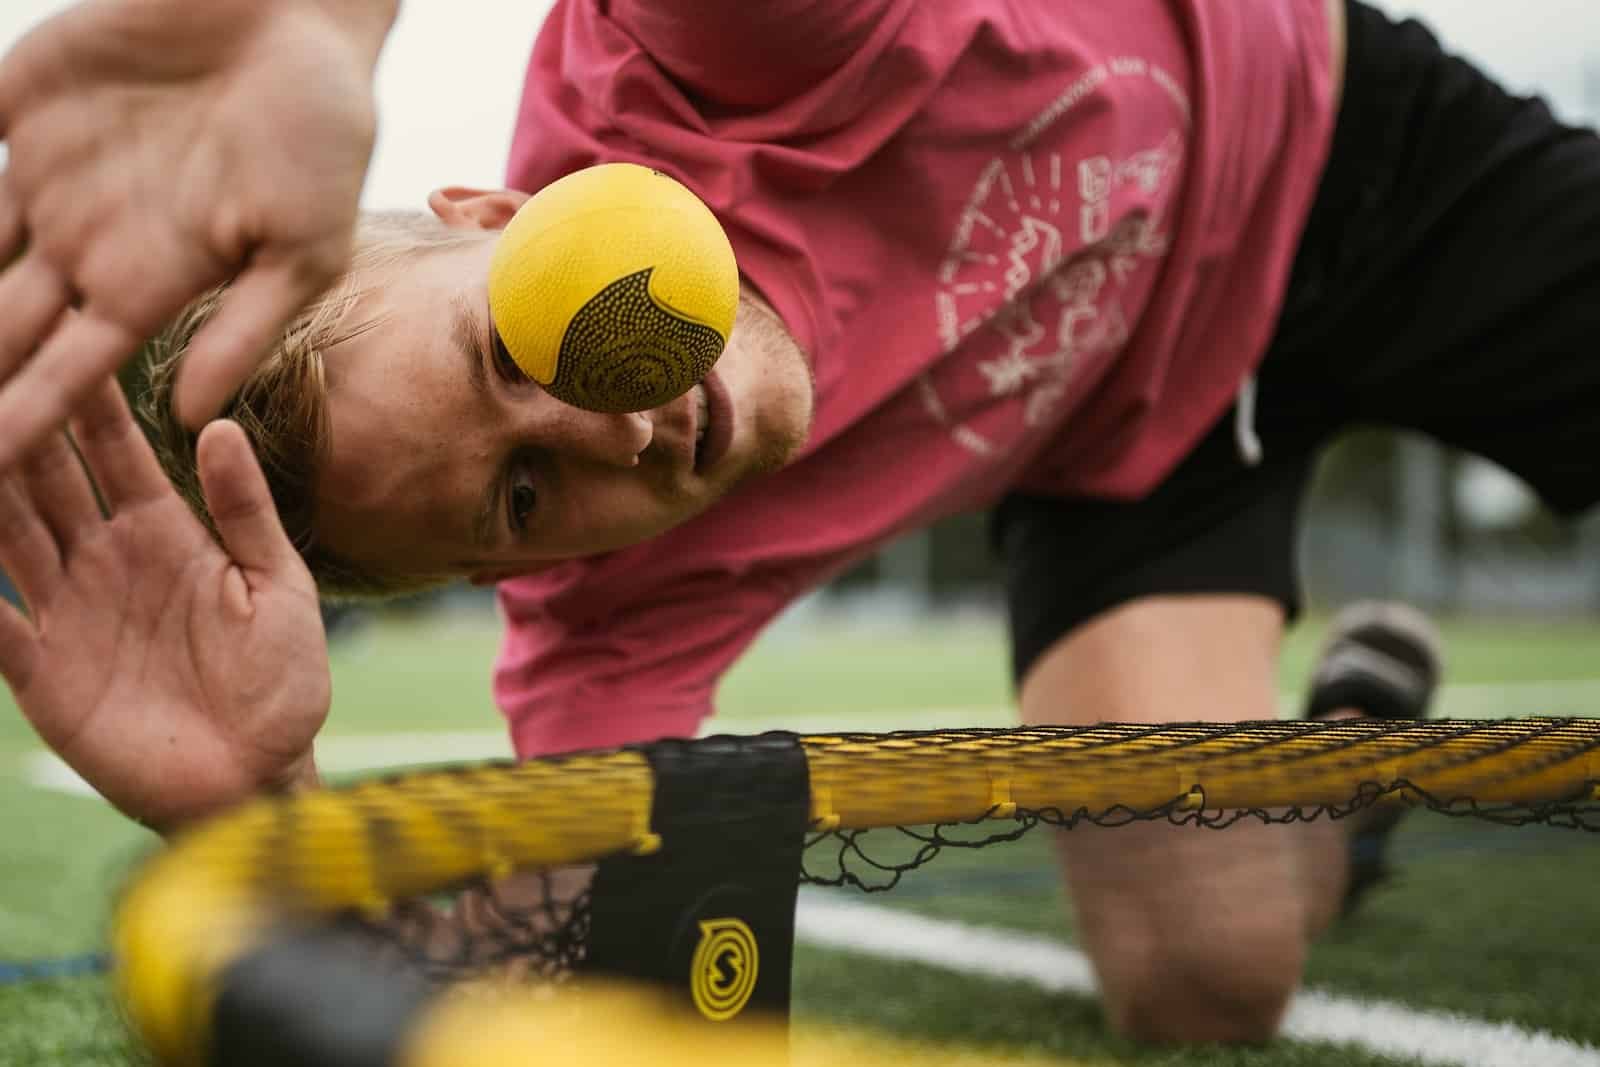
(1448,282)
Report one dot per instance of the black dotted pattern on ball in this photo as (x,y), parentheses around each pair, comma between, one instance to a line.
(624,352)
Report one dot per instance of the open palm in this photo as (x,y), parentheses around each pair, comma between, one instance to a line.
(161,148)
(175,675)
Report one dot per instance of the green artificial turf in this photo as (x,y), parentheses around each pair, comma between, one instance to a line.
(1488,922)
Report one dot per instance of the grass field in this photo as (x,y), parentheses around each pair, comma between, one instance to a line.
(1491,924)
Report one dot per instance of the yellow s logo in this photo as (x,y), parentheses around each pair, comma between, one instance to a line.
(722,974)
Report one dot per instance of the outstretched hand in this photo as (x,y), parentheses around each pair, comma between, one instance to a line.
(176,676)
(156,150)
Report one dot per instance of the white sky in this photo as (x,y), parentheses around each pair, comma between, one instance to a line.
(451,75)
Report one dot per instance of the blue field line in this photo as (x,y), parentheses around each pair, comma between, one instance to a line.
(40,970)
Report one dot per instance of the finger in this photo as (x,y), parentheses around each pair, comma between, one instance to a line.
(28,552)
(239,500)
(13,235)
(19,652)
(33,296)
(115,450)
(58,489)
(9,91)
(83,350)
(254,312)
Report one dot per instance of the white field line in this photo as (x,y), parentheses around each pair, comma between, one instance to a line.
(1382,1027)
(366,752)
(1578,697)
(1470,700)
(340,754)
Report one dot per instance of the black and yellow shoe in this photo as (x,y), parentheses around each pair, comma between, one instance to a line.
(1382,659)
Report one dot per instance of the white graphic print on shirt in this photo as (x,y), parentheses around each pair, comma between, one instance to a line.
(1033,278)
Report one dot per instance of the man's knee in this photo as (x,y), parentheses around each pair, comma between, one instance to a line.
(1230,985)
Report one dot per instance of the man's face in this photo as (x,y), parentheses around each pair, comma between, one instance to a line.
(444,459)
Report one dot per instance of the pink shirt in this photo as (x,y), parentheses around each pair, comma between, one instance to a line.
(1027,245)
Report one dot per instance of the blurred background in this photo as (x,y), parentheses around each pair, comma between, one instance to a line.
(1391,515)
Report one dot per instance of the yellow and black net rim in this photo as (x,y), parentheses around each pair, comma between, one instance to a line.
(286,887)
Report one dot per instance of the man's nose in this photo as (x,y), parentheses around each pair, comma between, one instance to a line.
(600,437)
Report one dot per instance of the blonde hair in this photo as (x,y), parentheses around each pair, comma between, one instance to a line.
(282,406)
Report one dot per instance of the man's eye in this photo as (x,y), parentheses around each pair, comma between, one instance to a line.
(504,365)
(521,503)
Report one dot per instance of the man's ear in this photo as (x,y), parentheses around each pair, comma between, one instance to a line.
(476,209)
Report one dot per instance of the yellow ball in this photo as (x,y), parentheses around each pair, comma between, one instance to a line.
(614,288)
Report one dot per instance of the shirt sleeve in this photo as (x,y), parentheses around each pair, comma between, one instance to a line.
(741,54)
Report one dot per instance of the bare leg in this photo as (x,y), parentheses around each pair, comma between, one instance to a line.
(1197,935)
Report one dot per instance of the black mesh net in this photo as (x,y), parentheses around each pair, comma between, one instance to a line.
(529,927)
(875,860)
(534,926)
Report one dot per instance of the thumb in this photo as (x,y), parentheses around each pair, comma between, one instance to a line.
(240,502)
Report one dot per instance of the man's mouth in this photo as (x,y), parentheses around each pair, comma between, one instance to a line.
(702,422)
(713,422)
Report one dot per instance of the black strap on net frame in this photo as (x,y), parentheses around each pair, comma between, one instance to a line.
(707,917)
(711,913)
